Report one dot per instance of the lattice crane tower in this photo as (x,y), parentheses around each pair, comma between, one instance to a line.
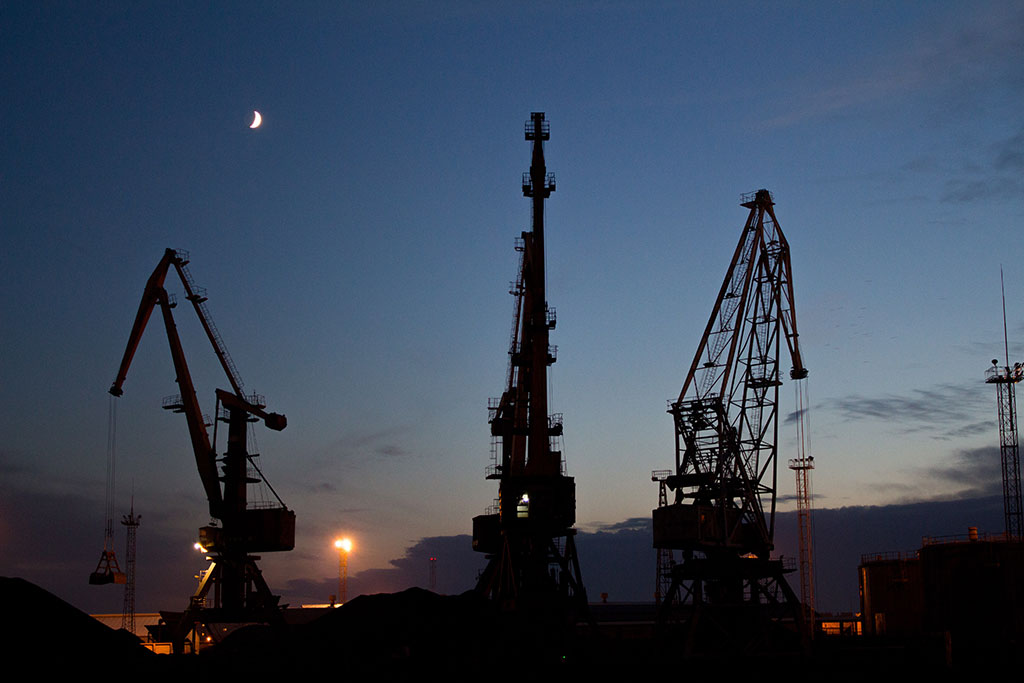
(726,424)
(529,539)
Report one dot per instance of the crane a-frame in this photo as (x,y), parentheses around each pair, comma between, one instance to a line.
(240,594)
(726,425)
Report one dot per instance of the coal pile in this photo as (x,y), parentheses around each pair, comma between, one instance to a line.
(54,636)
(411,633)
(417,635)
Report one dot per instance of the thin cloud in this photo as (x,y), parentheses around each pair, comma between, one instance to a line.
(967,473)
(977,472)
(792,498)
(843,96)
(367,445)
(946,411)
(982,189)
(997,177)
(794,417)
(631,524)
(391,450)
(1010,154)
(985,350)
(958,58)
(980,427)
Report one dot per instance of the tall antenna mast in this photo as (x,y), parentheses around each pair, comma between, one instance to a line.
(1005,378)
(1006,339)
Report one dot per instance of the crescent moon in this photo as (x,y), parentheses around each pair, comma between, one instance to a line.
(256,120)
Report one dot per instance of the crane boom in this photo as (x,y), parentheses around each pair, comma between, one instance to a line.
(205,455)
(153,295)
(726,413)
(712,376)
(197,297)
(149,299)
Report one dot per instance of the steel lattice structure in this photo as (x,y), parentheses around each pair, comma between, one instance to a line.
(239,592)
(131,523)
(802,467)
(1009,455)
(529,539)
(665,560)
(726,425)
(1005,379)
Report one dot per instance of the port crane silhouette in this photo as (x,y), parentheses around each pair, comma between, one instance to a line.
(722,518)
(532,565)
(239,591)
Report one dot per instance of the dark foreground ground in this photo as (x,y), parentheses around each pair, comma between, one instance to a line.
(417,635)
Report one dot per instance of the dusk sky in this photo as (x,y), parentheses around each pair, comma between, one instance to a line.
(357,250)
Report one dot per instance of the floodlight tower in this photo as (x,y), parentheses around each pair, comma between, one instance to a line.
(529,539)
(131,523)
(802,467)
(344,546)
(1005,378)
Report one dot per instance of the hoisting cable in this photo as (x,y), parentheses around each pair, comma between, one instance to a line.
(108,535)
(107,570)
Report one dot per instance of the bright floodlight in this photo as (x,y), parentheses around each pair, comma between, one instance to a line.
(343,544)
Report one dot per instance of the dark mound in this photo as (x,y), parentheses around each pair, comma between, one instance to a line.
(43,628)
(414,632)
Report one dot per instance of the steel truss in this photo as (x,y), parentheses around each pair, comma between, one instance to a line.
(726,425)
(529,539)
